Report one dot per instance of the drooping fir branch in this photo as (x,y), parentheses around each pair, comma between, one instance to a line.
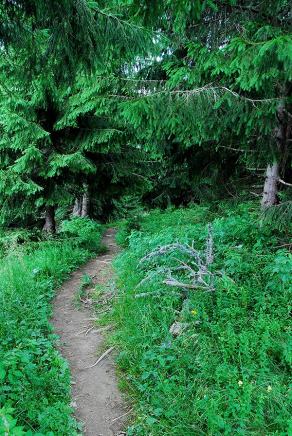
(66,35)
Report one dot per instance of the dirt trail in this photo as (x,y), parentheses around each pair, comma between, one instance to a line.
(95,394)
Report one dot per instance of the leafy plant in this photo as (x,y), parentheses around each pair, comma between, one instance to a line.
(85,282)
(8,424)
(85,231)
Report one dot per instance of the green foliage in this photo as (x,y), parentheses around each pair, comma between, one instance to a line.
(130,213)
(211,103)
(279,216)
(8,425)
(86,232)
(34,378)
(228,372)
(138,104)
(125,229)
(85,282)
(177,116)
(62,36)
(57,127)
(13,240)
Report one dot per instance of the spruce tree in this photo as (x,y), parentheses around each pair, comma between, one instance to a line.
(41,163)
(223,82)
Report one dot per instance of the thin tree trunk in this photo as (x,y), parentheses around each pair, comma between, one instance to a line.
(270,194)
(85,204)
(50,223)
(77,208)
(282,134)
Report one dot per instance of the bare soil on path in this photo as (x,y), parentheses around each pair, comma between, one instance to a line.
(96,398)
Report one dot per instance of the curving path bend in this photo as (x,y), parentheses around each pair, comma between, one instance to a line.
(96,398)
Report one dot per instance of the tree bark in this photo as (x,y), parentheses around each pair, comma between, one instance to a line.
(270,194)
(282,134)
(82,204)
(77,208)
(85,204)
(50,223)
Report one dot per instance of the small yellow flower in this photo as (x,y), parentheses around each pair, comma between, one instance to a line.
(240,383)
(194,312)
(269,388)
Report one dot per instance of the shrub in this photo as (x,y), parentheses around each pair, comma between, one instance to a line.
(86,231)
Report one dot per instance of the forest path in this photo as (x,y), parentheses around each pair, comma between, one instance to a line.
(96,397)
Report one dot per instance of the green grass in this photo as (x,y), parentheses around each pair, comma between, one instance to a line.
(34,378)
(228,373)
(80,294)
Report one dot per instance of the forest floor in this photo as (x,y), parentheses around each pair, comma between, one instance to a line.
(96,397)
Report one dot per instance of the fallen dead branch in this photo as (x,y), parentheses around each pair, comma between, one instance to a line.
(106,353)
(103,329)
(188,275)
(89,330)
(122,416)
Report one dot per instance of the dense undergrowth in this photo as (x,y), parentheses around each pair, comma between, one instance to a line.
(34,378)
(228,371)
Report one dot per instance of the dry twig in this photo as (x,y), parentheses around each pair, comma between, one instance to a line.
(122,416)
(106,353)
(196,270)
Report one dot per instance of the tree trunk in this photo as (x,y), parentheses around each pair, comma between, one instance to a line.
(85,204)
(282,134)
(77,208)
(270,194)
(50,223)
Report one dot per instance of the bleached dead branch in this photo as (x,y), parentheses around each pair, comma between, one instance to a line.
(191,274)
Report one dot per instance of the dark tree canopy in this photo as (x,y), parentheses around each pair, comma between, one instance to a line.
(182,99)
